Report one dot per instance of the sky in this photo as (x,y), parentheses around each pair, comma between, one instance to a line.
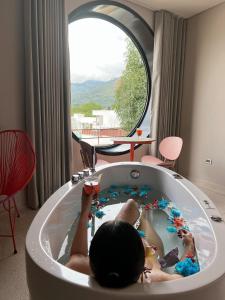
(97,50)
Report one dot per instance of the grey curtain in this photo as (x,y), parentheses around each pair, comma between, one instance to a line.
(47,96)
(167,77)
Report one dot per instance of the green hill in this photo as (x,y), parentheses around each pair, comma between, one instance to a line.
(101,92)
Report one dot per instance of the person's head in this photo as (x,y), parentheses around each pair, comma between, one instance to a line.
(116,254)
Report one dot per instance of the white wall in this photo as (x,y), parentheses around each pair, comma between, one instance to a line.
(11,65)
(203,117)
(12,110)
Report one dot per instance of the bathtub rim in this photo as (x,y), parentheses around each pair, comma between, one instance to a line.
(39,256)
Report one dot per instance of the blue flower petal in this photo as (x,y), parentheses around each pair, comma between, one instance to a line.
(114,194)
(99,214)
(185,228)
(171,229)
(103,200)
(143,193)
(175,212)
(133,193)
(163,203)
(187,267)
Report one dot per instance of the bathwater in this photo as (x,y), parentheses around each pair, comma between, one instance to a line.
(158,209)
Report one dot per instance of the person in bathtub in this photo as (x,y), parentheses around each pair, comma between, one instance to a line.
(118,256)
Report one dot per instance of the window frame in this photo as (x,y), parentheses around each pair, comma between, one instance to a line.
(82,13)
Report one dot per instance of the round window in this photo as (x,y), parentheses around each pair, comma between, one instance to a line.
(110,76)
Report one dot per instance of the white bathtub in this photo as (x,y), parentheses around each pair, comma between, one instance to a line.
(49,280)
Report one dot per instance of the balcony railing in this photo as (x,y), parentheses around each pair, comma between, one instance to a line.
(99,136)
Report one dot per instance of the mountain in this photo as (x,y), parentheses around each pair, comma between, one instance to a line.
(101,92)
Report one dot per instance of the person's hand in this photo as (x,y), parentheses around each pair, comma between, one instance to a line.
(86,201)
(188,239)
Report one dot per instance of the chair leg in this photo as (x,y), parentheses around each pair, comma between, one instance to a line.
(15,207)
(12,225)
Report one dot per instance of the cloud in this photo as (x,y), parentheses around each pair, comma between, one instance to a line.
(103,73)
(97,50)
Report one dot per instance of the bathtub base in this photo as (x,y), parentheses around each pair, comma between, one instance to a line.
(49,280)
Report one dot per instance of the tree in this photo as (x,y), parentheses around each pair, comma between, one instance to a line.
(86,108)
(131,89)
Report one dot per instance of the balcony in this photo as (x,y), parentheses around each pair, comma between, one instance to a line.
(99,136)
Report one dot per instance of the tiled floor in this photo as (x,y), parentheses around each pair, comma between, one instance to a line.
(12,267)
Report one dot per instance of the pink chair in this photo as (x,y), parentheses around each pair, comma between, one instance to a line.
(170,149)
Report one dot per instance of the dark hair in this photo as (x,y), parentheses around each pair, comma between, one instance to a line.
(116,254)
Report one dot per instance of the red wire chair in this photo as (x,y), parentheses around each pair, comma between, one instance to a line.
(17,165)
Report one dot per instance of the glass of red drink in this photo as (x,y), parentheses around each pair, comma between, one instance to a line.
(91,185)
(139,132)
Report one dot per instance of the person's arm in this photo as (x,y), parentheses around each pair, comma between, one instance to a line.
(79,251)
(80,244)
(189,246)
(157,275)
(189,251)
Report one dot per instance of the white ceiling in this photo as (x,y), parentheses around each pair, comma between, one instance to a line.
(184,8)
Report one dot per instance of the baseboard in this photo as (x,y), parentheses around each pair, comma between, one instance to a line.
(210,186)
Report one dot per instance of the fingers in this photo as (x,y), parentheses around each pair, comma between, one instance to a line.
(188,239)
(187,235)
(182,233)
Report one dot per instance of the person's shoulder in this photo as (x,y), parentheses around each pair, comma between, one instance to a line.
(158,276)
(80,263)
